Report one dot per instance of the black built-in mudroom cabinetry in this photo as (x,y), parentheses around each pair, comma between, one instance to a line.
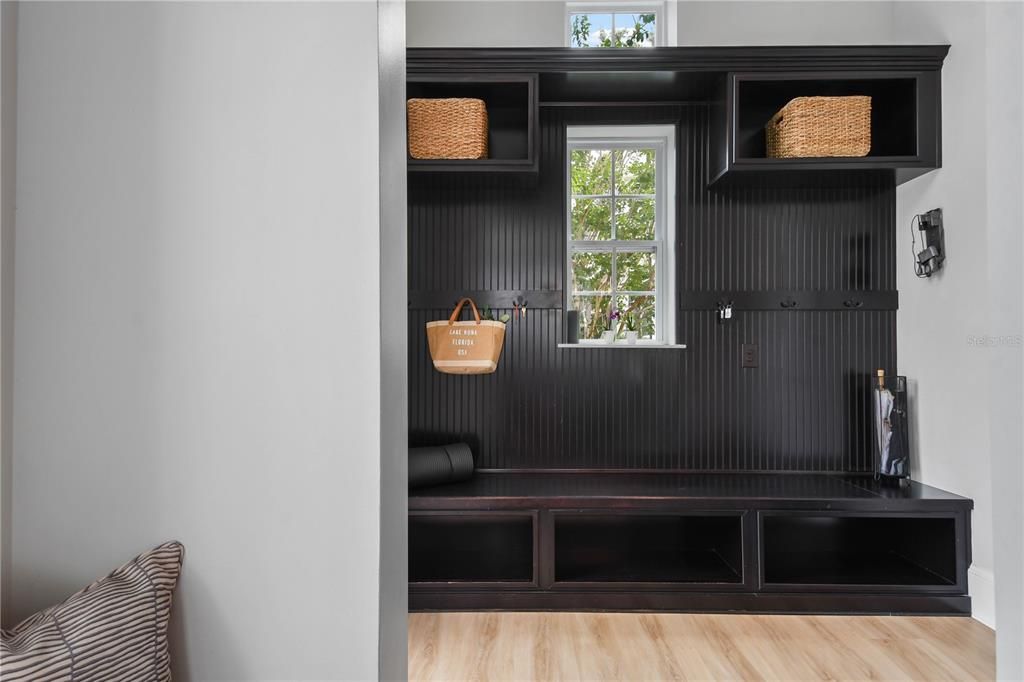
(674,479)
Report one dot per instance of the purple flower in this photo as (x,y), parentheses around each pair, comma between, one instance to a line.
(613,315)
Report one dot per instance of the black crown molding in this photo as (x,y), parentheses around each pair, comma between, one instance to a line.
(422,60)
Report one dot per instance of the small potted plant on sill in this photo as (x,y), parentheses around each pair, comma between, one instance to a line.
(608,336)
(631,331)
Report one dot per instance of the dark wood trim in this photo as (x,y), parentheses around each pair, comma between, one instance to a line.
(675,504)
(691,602)
(751,551)
(443,77)
(472,165)
(755,59)
(546,553)
(622,470)
(638,490)
(605,105)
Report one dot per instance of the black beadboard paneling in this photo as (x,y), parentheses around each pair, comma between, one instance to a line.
(769,238)
(803,409)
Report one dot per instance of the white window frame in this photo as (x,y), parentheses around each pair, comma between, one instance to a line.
(661,138)
(658,9)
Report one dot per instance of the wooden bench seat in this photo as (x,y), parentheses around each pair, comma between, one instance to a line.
(688,542)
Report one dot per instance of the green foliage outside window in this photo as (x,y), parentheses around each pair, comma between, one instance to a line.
(623,180)
(625,30)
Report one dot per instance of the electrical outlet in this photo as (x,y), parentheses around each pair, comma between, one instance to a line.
(748,355)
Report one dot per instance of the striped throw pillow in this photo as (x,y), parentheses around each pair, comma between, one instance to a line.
(115,629)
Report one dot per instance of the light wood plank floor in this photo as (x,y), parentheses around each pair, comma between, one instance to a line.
(625,646)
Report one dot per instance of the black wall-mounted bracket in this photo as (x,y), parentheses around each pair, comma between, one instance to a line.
(929,260)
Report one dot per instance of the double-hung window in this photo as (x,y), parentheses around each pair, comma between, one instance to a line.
(621,230)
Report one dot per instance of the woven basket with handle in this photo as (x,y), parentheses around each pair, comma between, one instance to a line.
(453,128)
(820,126)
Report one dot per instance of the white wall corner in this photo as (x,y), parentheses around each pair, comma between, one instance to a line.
(671,23)
(8,143)
(983,595)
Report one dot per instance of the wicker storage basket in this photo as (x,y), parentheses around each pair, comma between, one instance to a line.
(447,128)
(820,126)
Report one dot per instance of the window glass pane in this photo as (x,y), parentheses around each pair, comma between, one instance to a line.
(591,271)
(590,30)
(634,171)
(635,271)
(634,30)
(593,314)
(591,171)
(634,218)
(636,313)
(591,219)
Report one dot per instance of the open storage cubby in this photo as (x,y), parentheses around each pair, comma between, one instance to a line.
(893,110)
(834,550)
(471,548)
(905,125)
(642,548)
(511,101)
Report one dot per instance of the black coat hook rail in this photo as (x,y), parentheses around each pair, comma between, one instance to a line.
(496,299)
(781,300)
(794,301)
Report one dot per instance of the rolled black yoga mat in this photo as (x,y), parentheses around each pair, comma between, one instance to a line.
(440,464)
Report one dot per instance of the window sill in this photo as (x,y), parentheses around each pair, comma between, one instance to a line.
(634,346)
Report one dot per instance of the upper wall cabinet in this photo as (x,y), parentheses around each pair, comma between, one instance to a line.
(905,123)
(511,101)
(742,88)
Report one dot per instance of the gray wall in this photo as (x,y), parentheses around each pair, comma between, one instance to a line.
(802,22)
(937,316)
(457,23)
(945,322)
(960,333)
(197,322)
(1005,174)
(8,142)
(541,23)
(394,294)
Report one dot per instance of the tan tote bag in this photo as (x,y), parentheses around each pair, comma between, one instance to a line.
(465,347)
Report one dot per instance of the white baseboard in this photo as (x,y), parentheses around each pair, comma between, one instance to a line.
(983,595)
